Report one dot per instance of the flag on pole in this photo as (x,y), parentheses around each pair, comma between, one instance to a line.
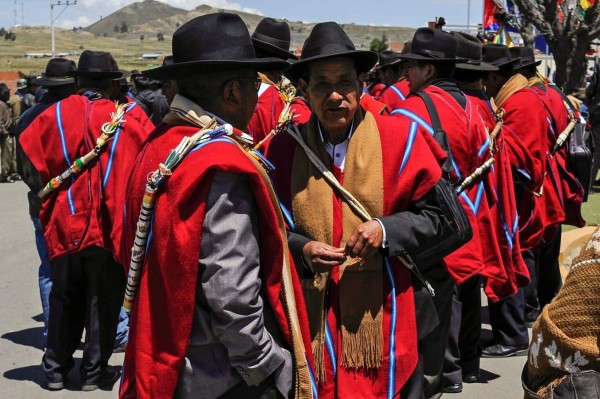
(489,9)
(503,37)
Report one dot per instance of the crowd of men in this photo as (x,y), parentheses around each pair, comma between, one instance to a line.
(281,228)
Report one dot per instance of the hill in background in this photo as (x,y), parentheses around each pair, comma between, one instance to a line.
(151,17)
(145,23)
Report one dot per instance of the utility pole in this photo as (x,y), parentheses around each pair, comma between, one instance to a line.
(15,13)
(52,19)
(469,16)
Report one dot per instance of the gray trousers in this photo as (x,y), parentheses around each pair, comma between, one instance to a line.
(8,156)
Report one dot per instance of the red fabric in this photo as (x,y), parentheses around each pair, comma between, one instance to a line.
(139,115)
(95,214)
(504,212)
(161,321)
(525,130)
(570,189)
(418,176)
(376,90)
(489,9)
(301,110)
(266,114)
(391,98)
(465,137)
(372,105)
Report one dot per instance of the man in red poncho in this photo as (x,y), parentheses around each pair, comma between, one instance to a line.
(215,313)
(358,294)
(562,192)
(502,260)
(271,38)
(431,62)
(525,134)
(391,70)
(82,219)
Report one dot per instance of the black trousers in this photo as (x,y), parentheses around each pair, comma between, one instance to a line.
(507,317)
(546,280)
(87,292)
(463,352)
(433,332)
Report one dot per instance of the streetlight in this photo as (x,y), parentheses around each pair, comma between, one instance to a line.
(52,19)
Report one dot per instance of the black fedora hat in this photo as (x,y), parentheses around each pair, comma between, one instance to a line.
(525,56)
(498,55)
(471,49)
(273,38)
(210,43)
(95,63)
(388,58)
(56,73)
(328,40)
(432,45)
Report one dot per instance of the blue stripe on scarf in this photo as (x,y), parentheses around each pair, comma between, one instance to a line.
(63,141)
(412,133)
(392,350)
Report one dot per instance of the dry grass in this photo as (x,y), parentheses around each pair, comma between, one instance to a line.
(37,39)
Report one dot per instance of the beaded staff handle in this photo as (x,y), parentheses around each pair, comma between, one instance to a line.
(108,133)
(155,179)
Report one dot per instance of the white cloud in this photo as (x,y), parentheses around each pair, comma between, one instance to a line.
(109,6)
(73,23)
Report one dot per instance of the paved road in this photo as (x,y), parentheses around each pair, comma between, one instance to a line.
(21,342)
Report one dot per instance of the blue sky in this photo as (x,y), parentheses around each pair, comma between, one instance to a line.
(410,13)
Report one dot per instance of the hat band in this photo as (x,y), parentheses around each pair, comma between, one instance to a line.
(327,49)
(433,53)
(282,44)
(233,53)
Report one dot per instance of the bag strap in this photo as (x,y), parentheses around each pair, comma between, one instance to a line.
(438,132)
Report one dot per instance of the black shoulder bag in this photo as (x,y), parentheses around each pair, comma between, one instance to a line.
(453,210)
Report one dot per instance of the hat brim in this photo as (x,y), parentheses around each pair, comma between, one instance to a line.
(272,49)
(49,82)
(482,67)
(391,64)
(529,64)
(419,57)
(98,74)
(197,67)
(364,60)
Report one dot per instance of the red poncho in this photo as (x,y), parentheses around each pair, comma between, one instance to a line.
(571,191)
(409,171)
(469,148)
(161,320)
(393,96)
(89,210)
(266,113)
(503,210)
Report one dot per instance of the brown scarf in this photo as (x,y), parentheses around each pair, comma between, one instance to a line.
(191,114)
(361,286)
(565,336)
(513,85)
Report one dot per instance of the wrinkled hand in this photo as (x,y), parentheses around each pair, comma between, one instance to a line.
(322,257)
(365,240)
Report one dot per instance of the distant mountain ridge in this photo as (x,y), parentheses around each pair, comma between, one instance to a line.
(150,17)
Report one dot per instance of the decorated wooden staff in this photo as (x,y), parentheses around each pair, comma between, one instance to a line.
(211,130)
(487,165)
(564,135)
(288,93)
(108,133)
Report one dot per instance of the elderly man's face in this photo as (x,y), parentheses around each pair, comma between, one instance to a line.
(333,92)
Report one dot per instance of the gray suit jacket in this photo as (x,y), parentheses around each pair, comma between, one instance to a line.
(234,334)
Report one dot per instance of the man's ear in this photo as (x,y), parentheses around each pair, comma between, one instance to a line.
(303,88)
(232,93)
(431,72)
(361,79)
